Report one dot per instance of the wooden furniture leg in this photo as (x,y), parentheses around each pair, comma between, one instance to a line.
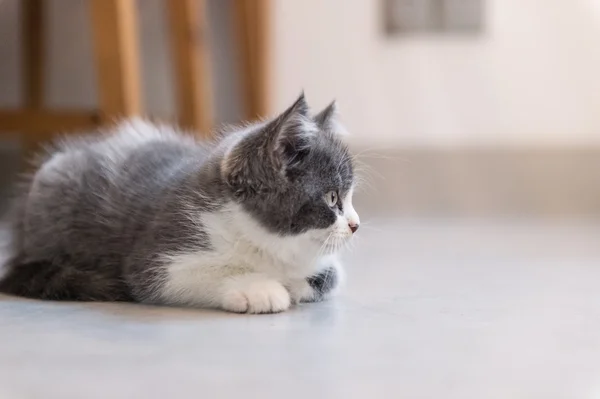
(252,33)
(115,32)
(189,47)
(33,67)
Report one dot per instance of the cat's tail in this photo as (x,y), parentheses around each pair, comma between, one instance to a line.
(48,280)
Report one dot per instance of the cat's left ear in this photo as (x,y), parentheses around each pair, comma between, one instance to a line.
(327,120)
(289,136)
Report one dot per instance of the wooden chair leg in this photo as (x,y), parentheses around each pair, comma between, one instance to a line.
(189,46)
(33,52)
(34,122)
(33,59)
(252,33)
(115,32)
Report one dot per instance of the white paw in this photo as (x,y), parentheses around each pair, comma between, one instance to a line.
(252,295)
(301,291)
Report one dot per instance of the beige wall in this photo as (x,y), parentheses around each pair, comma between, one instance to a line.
(534,77)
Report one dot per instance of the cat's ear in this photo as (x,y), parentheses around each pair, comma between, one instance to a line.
(253,163)
(326,117)
(327,120)
(288,136)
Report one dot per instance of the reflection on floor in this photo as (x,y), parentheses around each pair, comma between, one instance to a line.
(431,310)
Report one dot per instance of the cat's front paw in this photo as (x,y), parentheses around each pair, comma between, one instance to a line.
(249,294)
(316,288)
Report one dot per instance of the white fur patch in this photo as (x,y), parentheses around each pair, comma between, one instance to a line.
(248,267)
(349,211)
(240,246)
(252,293)
(341,231)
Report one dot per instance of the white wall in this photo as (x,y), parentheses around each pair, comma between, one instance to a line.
(533,78)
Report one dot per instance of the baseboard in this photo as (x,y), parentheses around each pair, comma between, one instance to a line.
(481,182)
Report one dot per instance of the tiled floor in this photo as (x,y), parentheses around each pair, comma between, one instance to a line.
(431,310)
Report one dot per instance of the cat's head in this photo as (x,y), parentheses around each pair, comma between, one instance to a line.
(295,177)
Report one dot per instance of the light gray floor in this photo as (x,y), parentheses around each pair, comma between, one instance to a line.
(431,310)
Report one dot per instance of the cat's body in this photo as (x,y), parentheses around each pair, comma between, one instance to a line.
(147,214)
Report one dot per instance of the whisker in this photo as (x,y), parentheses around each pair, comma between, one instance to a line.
(367,227)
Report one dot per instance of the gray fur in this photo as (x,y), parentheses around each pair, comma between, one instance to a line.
(94,219)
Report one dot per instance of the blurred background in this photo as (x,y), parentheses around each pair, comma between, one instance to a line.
(459,108)
(476,124)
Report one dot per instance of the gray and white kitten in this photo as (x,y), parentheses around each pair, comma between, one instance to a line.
(250,224)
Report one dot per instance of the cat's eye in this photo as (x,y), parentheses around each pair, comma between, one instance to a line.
(331,198)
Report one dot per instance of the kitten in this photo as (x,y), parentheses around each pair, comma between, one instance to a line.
(249,224)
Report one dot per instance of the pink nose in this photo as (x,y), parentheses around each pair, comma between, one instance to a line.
(353,227)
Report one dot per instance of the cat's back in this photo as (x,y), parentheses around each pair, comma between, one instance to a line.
(132,150)
(96,185)
(116,146)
